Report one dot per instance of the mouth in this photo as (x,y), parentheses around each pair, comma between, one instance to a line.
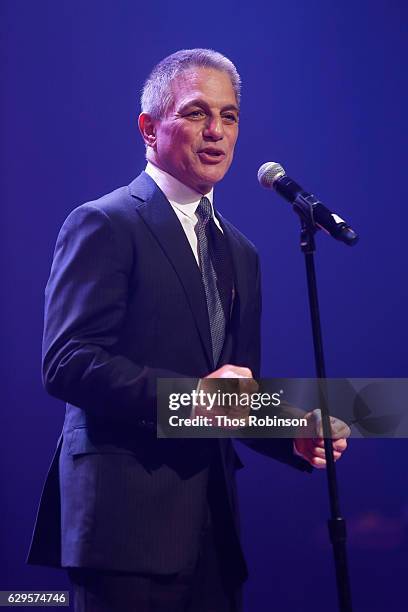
(211,155)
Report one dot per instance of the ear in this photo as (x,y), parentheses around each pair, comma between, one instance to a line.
(147,129)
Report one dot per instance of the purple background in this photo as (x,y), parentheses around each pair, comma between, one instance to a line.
(325,94)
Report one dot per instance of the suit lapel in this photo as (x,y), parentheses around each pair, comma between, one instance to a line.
(162,221)
(240,294)
(238,261)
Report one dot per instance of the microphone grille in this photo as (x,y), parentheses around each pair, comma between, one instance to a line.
(269,172)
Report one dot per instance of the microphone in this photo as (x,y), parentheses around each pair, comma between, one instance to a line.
(272,175)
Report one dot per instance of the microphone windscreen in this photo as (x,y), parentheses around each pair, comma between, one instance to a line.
(268,173)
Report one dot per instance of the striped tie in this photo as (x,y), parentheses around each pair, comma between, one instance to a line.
(214,304)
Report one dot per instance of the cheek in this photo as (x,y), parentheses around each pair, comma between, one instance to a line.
(232,142)
(164,147)
(231,150)
(173,140)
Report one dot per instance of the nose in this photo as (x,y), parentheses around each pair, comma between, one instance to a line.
(214,129)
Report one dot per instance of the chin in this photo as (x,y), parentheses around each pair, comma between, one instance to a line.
(210,178)
(205,185)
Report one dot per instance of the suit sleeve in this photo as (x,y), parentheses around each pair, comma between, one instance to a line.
(85,305)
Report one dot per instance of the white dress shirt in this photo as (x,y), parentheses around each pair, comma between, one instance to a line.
(183,200)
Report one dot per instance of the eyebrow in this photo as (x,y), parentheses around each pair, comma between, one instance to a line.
(203,104)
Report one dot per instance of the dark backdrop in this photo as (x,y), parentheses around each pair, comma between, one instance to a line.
(324,93)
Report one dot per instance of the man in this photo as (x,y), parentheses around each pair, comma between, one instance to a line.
(149,282)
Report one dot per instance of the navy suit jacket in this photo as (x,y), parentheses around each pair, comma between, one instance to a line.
(125,304)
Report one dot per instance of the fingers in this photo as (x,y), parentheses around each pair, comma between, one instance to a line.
(248,385)
(339,428)
(242,383)
(338,445)
(314,452)
(231,371)
(245,383)
(320,462)
(317,462)
(321,453)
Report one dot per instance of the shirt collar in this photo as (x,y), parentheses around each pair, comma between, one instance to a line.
(179,195)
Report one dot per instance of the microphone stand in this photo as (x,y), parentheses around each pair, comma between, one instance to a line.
(336,524)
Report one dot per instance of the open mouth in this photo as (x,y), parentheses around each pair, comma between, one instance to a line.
(211,155)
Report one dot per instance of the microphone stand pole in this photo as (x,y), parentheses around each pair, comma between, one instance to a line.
(336,524)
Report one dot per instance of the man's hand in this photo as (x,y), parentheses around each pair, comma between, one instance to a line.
(231,371)
(244,384)
(312,449)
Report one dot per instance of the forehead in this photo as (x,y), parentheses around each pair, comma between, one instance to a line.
(212,86)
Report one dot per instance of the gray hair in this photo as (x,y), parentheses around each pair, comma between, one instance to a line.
(156,98)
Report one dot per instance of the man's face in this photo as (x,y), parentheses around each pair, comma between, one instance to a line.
(195,141)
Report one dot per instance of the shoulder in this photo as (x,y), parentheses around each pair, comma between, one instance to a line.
(121,205)
(112,206)
(100,227)
(116,210)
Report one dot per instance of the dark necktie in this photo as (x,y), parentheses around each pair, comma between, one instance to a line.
(216,274)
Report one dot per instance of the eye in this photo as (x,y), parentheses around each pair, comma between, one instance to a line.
(196,114)
(230,117)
